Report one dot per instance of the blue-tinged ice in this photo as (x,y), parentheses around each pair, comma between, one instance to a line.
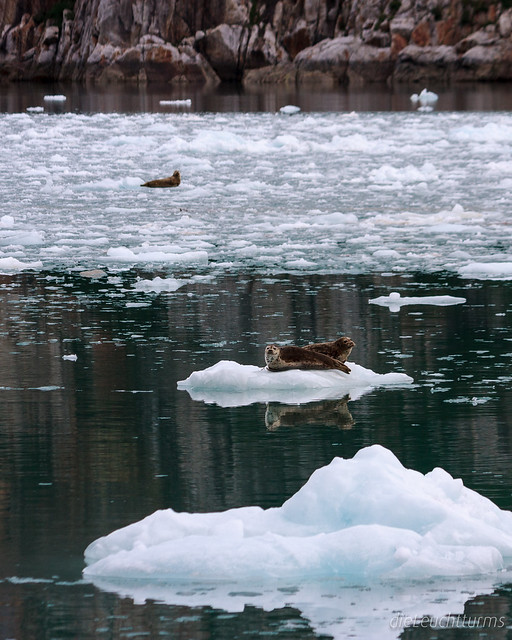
(359,520)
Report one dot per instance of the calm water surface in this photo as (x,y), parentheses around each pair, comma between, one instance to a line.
(91,445)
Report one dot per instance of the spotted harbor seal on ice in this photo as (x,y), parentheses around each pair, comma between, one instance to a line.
(339,349)
(292,357)
(162,183)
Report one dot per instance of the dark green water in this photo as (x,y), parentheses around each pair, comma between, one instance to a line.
(91,445)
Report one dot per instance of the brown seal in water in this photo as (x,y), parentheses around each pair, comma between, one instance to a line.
(171,181)
(339,349)
(292,357)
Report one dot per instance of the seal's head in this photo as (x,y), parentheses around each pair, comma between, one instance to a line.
(345,343)
(271,353)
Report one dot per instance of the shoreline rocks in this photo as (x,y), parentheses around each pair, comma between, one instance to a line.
(323,42)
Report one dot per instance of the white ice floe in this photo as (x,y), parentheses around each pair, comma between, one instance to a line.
(9,265)
(159,285)
(55,98)
(35,109)
(144,254)
(360,520)
(187,102)
(229,383)
(289,109)
(424,98)
(487,270)
(7,222)
(394,300)
(72,357)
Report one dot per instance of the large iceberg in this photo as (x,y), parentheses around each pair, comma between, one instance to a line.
(357,520)
(228,383)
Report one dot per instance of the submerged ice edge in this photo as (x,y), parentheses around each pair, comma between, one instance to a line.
(259,191)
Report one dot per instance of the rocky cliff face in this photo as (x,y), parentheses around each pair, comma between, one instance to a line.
(323,41)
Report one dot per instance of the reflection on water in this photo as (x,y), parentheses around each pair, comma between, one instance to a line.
(92,444)
(332,413)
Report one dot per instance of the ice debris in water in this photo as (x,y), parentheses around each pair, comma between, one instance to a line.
(187,102)
(55,98)
(487,270)
(425,98)
(363,519)
(9,265)
(394,300)
(158,285)
(289,109)
(271,169)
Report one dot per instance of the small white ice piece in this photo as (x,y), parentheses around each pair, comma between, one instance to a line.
(55,98)
(394,301)
(289,109)
(425,98)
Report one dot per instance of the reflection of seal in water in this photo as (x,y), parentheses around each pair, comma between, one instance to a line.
(331,413)
(172,181)
(292,357)
(339,349)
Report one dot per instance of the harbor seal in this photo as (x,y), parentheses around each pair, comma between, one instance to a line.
(162,183)
(292,357)
(339,349)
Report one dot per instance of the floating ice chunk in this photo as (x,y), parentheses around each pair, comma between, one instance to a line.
(158,284)
(109,184)
(72,357)
(7,222)
(424,98)
(55,98)
(289,109)
(487,270)
(229,383)
(35,109)
(187,102)
(362,519)
(123,254)
(394,300)
(335,218)
(406,175)
(23,238)
(386,254)
(8,265)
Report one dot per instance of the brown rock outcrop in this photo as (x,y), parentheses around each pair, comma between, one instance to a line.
(208,41)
